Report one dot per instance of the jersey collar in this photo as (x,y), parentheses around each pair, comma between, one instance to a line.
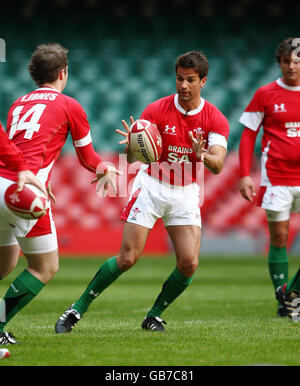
(283,85)
(47,88)
(191,112)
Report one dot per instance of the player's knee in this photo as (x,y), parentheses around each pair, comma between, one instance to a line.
(53,269)
(188,268)
(280,240)
(48,273)
(126,260)
(4,273)
(44,272)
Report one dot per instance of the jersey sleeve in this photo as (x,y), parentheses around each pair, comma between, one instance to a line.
(10,155)
(81,136)
(246,149)
(254,113)
(219,129)
(149,114)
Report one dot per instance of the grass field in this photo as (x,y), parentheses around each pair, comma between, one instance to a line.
(226,317)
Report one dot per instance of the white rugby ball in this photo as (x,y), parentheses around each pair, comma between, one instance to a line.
(145,141)
(30,203)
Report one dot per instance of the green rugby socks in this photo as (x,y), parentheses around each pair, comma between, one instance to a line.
(278,265)
(23,289)
(172,288)
(107,274)
(294,283)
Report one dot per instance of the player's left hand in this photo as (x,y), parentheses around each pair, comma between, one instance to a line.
(50,193)
(198,145)
(27,177)
(106,176)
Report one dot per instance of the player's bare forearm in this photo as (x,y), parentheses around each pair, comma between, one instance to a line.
(214,159)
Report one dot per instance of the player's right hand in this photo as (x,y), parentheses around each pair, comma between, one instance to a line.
(125,134)
(50,193)
(130,156)
(27,177)
(247,188)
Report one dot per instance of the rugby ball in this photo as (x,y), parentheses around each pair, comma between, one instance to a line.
(145,141)
(30,203)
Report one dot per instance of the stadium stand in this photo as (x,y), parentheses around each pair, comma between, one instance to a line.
(122,58)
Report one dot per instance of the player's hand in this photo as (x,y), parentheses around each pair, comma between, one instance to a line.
(130,157)
(247,188)
(50,193)
(106,176)
(198,145)
(125,134)
(27,177)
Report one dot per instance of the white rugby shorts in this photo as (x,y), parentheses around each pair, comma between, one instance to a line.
(33,236)
(279,201)
(152,199)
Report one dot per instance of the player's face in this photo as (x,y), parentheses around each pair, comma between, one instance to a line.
(188,84)
(290,68)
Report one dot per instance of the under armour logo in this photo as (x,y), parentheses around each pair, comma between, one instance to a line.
(170,130)
(279,108)
(280,276)
(14,288)
(92,293)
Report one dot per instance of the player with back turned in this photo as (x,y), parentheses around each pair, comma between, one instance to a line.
(39,123)
(275,106)
(192,130)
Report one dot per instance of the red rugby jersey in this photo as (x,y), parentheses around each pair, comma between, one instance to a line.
(10,155)
(275,106)
(39,123)
(174,124)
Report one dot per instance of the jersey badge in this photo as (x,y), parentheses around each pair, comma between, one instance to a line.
(170,130)
(279,108)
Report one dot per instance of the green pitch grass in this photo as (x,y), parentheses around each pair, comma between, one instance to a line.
(226,317)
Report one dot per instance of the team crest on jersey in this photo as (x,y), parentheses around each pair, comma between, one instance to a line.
(135,212)
(198,131)
(279,108)
(170,130)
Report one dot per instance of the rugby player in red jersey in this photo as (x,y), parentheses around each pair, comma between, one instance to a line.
(193,130)
(275,107)
(38,123)
(13,158)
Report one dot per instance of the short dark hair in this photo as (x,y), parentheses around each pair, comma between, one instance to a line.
(285,48)
(46,62)
(194,59)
